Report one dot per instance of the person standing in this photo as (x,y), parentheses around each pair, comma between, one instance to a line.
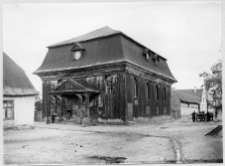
(216,113)
(193,116)
(53,117)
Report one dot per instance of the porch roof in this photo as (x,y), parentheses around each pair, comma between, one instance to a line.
(74,86)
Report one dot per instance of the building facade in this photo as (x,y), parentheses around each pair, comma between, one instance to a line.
(192,100)
(108,74)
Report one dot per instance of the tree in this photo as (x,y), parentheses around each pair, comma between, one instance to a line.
(213,85)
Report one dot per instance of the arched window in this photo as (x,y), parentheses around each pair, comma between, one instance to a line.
(157,92)
(148,90)
(164,93)
(135,88)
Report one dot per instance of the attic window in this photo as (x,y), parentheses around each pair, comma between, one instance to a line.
(155,58)
(146,53)
(147,56)
(77,49)
(77,55)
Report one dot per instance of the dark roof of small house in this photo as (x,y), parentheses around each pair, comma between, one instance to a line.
(189,95)
(103,46)
(15,80)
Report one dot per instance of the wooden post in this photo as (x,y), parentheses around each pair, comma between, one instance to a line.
(61,106)
(87,104)
(46,101)
(126,107)
(80,107)
(79,101)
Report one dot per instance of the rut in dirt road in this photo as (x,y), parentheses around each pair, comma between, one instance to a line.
(175,144)
(176,147)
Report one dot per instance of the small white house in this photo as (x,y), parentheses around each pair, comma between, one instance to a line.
(192,100)
(18,94)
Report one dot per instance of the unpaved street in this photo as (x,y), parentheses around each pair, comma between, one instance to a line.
(171,141)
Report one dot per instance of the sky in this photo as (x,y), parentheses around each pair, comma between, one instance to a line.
(188,35)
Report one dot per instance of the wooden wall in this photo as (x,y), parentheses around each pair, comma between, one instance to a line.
(115,104)
(141,104)
(46,102)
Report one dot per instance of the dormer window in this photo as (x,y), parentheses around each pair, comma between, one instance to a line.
(77,51)
(147,56)
(146,53)
(155,58)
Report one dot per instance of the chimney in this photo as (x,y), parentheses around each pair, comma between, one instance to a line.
(195,89)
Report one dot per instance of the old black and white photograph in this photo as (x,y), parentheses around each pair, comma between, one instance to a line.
(101,83)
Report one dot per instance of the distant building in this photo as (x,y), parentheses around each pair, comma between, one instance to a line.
(18,94)
(192,100)
(175,105)
(108,73)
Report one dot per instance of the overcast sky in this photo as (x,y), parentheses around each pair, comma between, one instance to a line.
(188,35)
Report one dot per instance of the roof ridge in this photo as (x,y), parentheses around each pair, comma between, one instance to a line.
(100,32)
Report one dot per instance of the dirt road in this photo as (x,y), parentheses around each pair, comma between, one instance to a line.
(178,141)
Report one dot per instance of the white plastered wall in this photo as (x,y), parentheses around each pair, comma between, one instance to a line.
(24,108)
(188,110)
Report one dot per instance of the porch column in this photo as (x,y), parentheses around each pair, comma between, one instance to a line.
(80,108)
(87,104)
(79,102)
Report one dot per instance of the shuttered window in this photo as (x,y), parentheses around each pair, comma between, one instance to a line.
(8,109)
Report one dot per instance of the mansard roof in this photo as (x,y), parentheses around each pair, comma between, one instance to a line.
(101,47)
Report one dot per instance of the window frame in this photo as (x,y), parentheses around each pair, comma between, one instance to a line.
(5,109)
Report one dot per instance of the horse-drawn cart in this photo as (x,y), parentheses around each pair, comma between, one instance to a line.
(201,116)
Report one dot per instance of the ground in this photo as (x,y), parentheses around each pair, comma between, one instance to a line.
(165,141)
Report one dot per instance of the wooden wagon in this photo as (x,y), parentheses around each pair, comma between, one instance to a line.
(201,116)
